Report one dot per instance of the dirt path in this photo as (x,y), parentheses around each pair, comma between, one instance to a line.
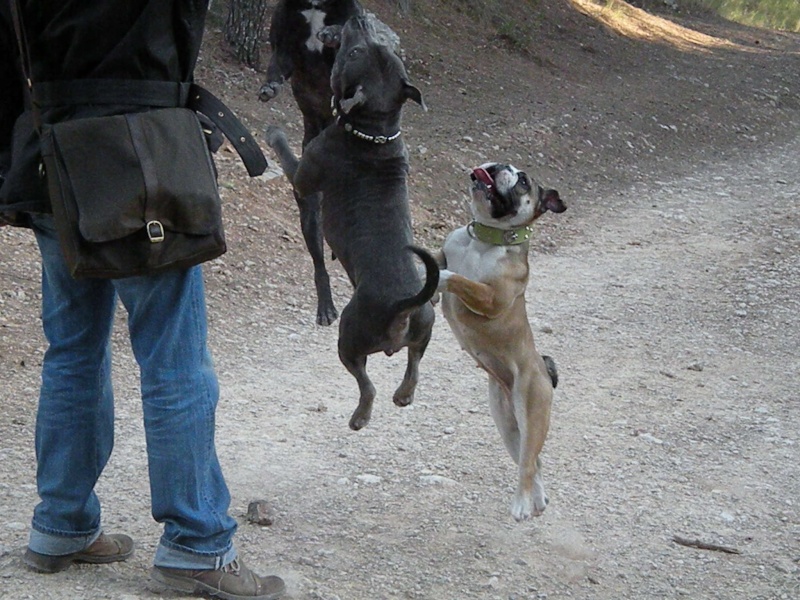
(674,323)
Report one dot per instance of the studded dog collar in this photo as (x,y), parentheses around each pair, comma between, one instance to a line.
(500,237)
(375,139)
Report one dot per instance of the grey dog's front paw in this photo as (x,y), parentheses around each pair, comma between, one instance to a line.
(269,90)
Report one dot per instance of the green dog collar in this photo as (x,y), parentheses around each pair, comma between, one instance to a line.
(500,237)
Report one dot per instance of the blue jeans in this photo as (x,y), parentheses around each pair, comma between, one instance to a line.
(75,420)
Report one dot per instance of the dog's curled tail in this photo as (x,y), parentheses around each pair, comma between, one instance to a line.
(276,139)
(431,282)
(551,369)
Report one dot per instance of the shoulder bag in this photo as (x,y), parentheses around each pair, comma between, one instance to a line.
(135,193)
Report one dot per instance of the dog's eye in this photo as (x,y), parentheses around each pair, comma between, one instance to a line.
(523,181)
(355,52)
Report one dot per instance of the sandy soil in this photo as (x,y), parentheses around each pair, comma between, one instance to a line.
(668,294)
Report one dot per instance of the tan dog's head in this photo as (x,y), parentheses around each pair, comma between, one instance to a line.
(503,196)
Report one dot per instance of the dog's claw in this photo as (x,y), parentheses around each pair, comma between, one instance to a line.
(326,315)
(268,91)
(523,509)
(358,421)
(330,36)
(403,400)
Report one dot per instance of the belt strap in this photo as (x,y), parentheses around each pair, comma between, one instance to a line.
(155,94)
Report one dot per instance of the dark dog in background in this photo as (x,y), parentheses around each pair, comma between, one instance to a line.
(303,57)
(360,164)
(483,281)
(303,42)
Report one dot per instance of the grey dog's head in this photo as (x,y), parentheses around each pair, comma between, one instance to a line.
(368,76)
(502,194)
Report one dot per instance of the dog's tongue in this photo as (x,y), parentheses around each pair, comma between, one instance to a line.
(483,175)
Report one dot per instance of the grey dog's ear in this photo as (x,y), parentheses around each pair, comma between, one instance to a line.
(413,93)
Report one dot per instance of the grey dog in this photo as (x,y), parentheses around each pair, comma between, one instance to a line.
(360,164)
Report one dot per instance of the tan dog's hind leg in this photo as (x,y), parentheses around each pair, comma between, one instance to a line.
(502,411)
(523,419)
(533,396)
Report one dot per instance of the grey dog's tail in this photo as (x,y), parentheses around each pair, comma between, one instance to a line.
(276,139)
(431,282)
(551,369)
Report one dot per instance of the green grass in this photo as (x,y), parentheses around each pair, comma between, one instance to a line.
(769,14)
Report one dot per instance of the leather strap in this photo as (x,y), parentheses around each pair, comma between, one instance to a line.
(154,228)
(203,101)
(161,94)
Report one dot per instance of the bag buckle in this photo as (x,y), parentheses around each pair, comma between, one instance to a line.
(155,231)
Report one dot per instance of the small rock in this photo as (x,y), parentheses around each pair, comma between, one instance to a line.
(649,437)
(260,513)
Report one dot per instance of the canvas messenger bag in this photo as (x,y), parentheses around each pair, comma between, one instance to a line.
(136,193)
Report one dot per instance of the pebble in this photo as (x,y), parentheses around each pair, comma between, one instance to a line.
(369,479)
(436,480)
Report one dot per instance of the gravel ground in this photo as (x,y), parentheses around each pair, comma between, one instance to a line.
(668,294)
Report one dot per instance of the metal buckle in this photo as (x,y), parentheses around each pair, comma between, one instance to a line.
(155,231)
(510,236)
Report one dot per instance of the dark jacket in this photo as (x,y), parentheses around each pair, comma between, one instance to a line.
(74,39)
(11,82)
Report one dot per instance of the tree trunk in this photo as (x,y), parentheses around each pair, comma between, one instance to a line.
(246,28)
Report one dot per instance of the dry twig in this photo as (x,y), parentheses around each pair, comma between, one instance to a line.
(704,545)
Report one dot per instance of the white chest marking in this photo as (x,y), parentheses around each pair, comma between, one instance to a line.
(315,18)
(471,258)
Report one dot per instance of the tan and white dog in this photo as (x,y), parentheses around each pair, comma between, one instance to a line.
(484,273)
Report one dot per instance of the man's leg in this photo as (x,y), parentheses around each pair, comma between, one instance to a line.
(167,324)
(75,418)
(168,328)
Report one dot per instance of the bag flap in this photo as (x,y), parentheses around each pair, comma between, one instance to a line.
(99,166)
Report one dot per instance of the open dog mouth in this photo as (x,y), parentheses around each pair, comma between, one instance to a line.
(503,205)
(482,176)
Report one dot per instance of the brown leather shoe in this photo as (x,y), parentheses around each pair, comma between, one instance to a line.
(105,549)
(234,581)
